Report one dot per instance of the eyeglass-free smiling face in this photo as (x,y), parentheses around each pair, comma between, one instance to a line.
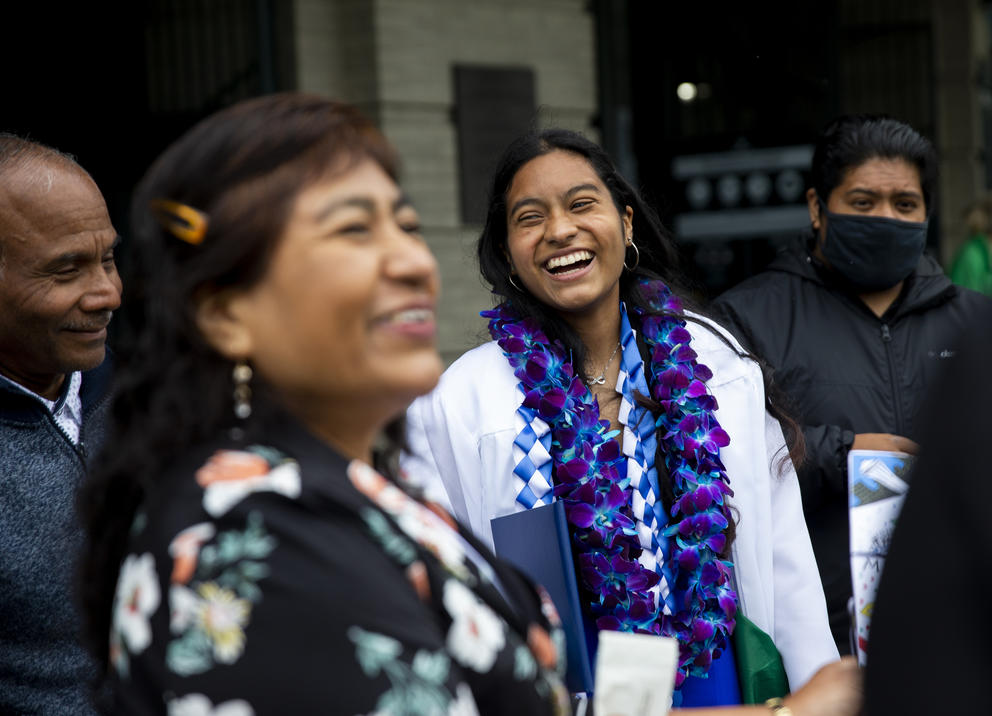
(342,325)
(565,236)
(58,281)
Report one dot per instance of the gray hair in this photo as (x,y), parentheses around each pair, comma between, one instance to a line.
(36,163)
(18,153)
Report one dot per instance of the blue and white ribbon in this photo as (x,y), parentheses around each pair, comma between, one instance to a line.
(533,463)
(640,445)
(532,457)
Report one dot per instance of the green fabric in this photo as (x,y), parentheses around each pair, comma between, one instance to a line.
(759,665)
(973,266)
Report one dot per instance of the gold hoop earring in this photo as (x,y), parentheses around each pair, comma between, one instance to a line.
(637,255)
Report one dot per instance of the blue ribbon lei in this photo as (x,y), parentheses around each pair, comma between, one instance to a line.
(641,570)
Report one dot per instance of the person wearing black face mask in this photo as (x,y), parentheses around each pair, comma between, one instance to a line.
(873,253)
(855,320)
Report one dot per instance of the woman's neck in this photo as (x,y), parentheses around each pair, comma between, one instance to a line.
(599,331)
(351,433)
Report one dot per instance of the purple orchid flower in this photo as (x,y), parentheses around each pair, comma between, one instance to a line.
(551,403)
(537,367)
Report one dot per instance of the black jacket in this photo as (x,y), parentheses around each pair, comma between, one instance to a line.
(846,371)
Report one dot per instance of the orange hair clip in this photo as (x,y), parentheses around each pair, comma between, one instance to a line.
(182,221)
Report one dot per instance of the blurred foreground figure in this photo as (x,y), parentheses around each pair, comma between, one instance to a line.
(855,320)
(58,288)
(930,631)
(246,555)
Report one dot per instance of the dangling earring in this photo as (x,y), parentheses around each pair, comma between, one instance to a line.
(637,254)
(241,375)
(513,283)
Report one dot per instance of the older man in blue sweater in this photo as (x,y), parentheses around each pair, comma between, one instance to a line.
(58,289)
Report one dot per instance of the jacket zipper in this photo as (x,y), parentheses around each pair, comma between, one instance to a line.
(887,340)
(80,447)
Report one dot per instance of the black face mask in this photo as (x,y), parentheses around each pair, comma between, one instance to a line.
(873,252)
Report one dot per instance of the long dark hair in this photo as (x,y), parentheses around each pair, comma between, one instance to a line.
(659,259)
(242,168)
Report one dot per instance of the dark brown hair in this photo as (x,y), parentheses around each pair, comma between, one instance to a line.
(243,168)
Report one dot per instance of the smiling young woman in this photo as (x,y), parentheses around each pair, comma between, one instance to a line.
(566,239)
(566,242)
(590,337)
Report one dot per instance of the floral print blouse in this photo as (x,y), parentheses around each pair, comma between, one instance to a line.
(263,580)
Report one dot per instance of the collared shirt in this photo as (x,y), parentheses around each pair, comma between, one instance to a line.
(67,410)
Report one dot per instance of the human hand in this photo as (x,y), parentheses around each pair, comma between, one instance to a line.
(835,690)
(884,441)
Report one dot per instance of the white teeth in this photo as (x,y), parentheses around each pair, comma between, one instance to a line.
(412,315)
(568,259)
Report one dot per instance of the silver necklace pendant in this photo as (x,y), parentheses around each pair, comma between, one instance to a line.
(601,379)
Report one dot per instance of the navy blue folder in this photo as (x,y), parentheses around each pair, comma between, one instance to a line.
(537,542)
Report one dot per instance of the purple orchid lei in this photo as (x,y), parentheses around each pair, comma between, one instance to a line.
(589,478)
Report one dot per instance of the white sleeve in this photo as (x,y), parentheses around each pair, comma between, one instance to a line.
(802,632)
(445,458)
(461,439)
(418,464)
(780,589)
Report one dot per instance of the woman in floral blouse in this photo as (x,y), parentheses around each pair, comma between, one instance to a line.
(246,557)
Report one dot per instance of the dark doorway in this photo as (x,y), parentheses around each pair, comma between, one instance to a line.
(113,83)
(727,79)
(75,79)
